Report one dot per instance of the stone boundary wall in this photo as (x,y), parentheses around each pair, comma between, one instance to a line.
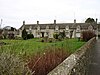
(77,63)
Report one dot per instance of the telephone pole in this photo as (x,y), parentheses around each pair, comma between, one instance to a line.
(1,23)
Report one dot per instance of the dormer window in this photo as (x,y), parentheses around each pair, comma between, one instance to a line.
(67,28)
(47,27)
(30,28)
(38,28)
(78,28)
(29,31)
(56,28)
(90,28)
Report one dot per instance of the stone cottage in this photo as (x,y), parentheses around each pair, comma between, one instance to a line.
(9,32)
(42,30)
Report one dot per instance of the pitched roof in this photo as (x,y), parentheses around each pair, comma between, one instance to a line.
(84,25)
(60,25)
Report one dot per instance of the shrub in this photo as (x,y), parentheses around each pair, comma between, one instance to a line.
(62,34)
(59,36)
(1,37)
(4,36)
(30,36)
(18,38)
(50,40)
(55,35)
(45,39)
(87,35)
(2,43)
(11,64)
(11,36)
(42,40)
(43,64)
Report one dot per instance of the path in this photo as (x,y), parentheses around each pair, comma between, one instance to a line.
(94,67)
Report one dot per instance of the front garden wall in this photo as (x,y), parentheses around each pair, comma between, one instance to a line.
(76,63)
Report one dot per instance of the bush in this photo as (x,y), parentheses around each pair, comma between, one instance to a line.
(11,36)
(87,35)
(50,40)
(62,34)
(18,38)
(4,36)
(30,36)
(55,35)
(45,39)
(1,37)
(11,64)
(26,36)
(42,64)
(59,36)
(42,40)
(2,43)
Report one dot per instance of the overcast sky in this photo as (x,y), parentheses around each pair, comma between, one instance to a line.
(13,12)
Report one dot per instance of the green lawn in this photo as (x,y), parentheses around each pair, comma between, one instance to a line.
(33,45)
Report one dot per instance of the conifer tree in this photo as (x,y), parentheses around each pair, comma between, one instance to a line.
(24,34)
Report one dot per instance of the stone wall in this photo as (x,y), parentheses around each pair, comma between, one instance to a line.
(76,63)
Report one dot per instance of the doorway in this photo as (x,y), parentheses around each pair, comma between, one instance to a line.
(42,34)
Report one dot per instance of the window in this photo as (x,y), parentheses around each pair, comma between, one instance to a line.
(30,28)
(38,28)
(90,27)
(78,28)
(56,28)
(30,32)
(67,27)
(47,27)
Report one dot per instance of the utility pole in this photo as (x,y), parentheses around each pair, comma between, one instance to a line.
(1,23)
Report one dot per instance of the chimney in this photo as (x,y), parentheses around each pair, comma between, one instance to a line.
(23,22)
(96,20)
(37,22)
(74,21)
(54,22)
(23,25)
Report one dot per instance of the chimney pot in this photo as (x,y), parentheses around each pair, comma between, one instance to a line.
(23,22)
(74,21)
(37,22)
(54,21)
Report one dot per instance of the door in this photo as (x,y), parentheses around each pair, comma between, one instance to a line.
(42,34)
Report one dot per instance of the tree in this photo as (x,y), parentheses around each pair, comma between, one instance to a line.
(90,20)
(24,34)
(12,29)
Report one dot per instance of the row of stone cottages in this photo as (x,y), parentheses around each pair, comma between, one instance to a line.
(42,30)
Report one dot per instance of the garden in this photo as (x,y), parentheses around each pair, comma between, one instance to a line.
(36,56)
(34,52)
